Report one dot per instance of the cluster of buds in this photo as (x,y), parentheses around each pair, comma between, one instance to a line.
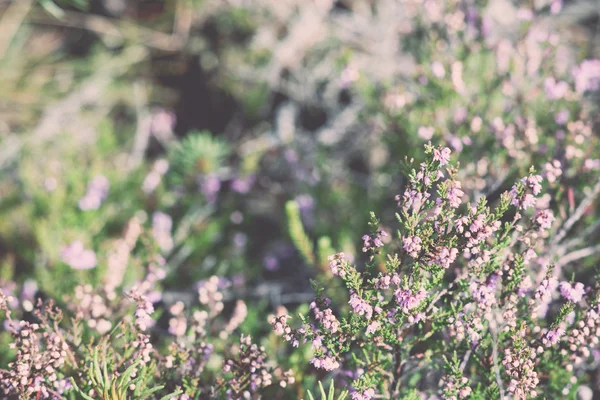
(144,308)
(209,295)
(152,180)
(582,337)
(520,198)
(250,371)
(454,389)
(97,191)
(519,366)
(336,264)
(326,317)
(39,356)
(92,307)
(178,321)
(161,230)
(373,241)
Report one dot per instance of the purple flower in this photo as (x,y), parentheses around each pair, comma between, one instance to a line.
(438,69)
(562,117)
(360,306)
(587,76)
(573,293)
(555,90)
(161,230)
(271,262)
(407,300)
(553,336)
(373,241)
(445,257)
(426,132)
(412,245)
(443,155)
(366,395)
(162,122)
(77,257)
(96,193)
(372,327)
(326,362)
(528,201)
(243,184)
(454,194)
(544,218)
(210,186)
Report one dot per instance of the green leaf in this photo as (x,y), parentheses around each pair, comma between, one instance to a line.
(323,395)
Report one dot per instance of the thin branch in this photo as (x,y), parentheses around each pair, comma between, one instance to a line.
(577,255)
(581,209)
(465,360)
(493,328)
(144,120)
(395,388)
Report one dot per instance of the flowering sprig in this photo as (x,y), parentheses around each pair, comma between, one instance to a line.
(393,302)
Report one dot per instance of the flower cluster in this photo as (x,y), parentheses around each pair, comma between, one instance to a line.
(96,193)
(249,372)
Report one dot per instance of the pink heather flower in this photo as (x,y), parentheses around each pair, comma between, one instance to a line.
(443,155)
(366,395)
(96,193)
(152,180)
(587,76)
(327,363)
(456,76)
(528,201)
(336,262)
(210,186)
(244,184)
(412,245)
(460,115)
(553,171)
(535,183)
(371,242)
(412,200)
(529,255)
(573,293)
(77,257)
(555,90)
(162,122)
(317,343)
(562,117)
(477,224)
(544,218)
(280,326)
(553,336)
(360,306)
(372,327)
(438,69)
(445,257)
(161,230)
(455,194)
(383,282)
(426,132)
(407,300)
(547,286)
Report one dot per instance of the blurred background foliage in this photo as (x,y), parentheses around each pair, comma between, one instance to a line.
(284,123)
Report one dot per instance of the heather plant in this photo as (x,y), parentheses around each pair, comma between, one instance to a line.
(458,290)
(450,305)
(191,166)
